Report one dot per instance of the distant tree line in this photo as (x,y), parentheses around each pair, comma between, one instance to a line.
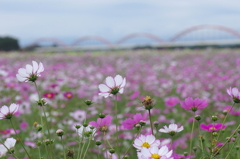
(8,44)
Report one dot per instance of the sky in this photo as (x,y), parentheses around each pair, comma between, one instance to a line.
(68,20)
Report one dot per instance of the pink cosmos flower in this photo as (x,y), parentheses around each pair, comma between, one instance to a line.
(23,125)
(213,127)
(68,95)
(102,125)
(31,73)
(7,112)
(194,104)
(172,129)
(147,141)
(49,95)
(177,156)
(112,86)
(171,101)
(130,123)
(234,93)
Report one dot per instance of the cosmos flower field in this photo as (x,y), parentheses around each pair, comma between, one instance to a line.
(65,113)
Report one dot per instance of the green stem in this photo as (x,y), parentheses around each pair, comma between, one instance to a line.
(132,142)
(63,148)
(20,139)
(44,116)
(89,141)
(82,150)
(201,139)
(150,117)
(232,147)
(224,120)
(116,107)
(226,142)
(80,143)
(191,138)
(39,152)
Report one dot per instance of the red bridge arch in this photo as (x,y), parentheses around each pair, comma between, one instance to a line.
(199,27)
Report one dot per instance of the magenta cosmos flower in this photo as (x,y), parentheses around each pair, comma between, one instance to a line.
(194,104)
(68,95)
(7,112)
(102,124)
(234,93)
(112,86)
(213,127)
(30,73)
(130,123)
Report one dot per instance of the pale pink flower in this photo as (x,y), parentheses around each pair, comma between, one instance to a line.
(172,129)
(147,141)
(7,112)
(9,143)
(234,93)
(112,86)
(30,73)
(155,153)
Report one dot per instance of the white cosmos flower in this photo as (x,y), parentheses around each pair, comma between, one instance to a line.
(112,86)
(30,73)
(172,129)
(145,141)
(7,112)
(9,143)
(155,153)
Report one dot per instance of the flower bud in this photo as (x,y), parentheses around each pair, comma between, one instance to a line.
(98,143)
(225,112)
(125,157)
(156,124)
(185,153)
(148,103)
(142,123)
(138,126)
(101,115)
(88,102)
(237,147)
(77,126)
(70,153)
(60,132)
(215,134)
(92,127)
(41,102)
(111,151)
(197,117)
(85,124)
(194,149)
(214,118)
(39,143)
(39,128)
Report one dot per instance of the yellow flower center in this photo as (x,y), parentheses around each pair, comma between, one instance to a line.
(49,95)
(69,95)
(212,128)
(156,156)
(147,98)
(145,144)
